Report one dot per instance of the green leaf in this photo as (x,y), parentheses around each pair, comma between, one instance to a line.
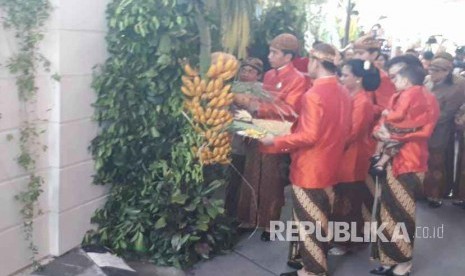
(179,198)
(194,238)
(214,185)
(202,226)
(164,60)
(56,77)
(154,132)
(191,207)
(212,212)
(165,44)
(161,222)
(203,219)
(139,245)
(151,73)
(175,241)
(132,212)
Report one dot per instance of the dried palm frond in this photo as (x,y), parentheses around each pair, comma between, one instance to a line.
(235,22)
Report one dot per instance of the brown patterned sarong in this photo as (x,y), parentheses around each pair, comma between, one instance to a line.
(294,254)
(397,205)
(440,176)
(262,195)
(314,206)
(233,188)
(353,203)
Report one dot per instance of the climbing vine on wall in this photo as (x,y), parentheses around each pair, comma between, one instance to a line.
(160,206)
(27,18)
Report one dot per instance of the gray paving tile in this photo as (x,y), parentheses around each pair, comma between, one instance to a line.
(436,256)
(71,264)
(432,257)
(228,265)
(148,269)
(252,257)
(272,255)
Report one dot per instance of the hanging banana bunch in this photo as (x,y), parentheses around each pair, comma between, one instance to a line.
(208,100)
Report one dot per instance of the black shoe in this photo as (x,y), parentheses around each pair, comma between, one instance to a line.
(459,203)
(377,171)
(374,159)
(293,273)
(382,271)
(265,236)
(295,264)
(435,203)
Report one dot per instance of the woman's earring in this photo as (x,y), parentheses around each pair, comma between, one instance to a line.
(366,65)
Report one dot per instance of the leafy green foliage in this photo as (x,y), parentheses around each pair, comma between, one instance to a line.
(160,207)
(27,18)
(284,16)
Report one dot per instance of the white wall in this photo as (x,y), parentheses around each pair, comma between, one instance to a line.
(74,43)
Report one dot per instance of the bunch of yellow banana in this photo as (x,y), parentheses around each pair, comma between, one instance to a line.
(193,86)
(216,148)
(223,66)
(214,155)
(208,102)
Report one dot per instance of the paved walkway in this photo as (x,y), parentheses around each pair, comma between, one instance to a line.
(432,257)
(252,257)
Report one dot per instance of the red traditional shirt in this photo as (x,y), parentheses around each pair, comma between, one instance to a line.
(413,155)
(360,144)
(408,109)
(383,94)
(286,85)
(319,136)
(301,64)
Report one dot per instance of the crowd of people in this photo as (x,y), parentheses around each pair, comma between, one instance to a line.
(371,136)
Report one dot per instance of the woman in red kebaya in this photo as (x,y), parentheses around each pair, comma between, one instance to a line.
(400,187)
(351,192)
(368,48)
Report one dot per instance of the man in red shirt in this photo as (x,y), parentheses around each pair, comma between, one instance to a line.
(316,144)
(368,48)
(262,193)
(284,81)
